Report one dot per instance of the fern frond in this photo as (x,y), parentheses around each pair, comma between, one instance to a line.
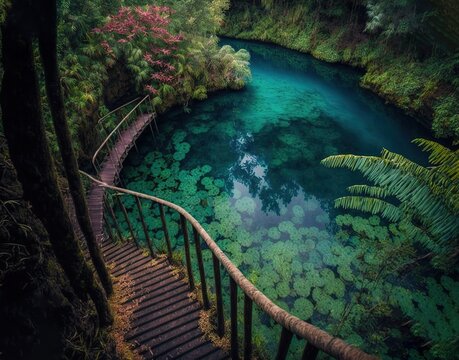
(446,159)
(372,191)
(404,164)
(371,205)
(428,195)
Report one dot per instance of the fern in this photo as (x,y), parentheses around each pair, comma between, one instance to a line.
(446,159)
(372,191)
(371,205)
(426,196)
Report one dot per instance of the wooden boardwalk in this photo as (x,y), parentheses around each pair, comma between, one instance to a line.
(165,323)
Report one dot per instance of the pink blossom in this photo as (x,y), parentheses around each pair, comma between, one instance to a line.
(151,89)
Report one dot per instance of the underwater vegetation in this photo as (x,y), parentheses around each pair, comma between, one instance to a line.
(248,169)
(427,198)
(341,286)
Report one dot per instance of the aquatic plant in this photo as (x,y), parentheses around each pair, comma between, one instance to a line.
(303,309)
(297,267)
(274,233)
(245,205)
(426,195)
(199,128)
(323,219)
(345,272)
(219,183)
(311,205)
(308,245)
(251,257)
(182,147)
(334,286)
(298,211)
(178,136)
(286,227)
(283,289)
(297,220)
(302,287)
(207,182)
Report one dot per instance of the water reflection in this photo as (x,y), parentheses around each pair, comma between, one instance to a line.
(247,165)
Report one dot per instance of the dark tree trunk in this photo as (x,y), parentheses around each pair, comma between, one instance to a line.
(39,311)
(47,36)
(29,151)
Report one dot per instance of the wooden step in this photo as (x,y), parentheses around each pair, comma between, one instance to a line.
(165,322)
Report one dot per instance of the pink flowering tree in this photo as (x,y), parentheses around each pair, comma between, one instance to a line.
(141,34)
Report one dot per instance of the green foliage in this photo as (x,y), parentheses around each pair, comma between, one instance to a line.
(85,67)
(4,4)
(408,48)
(427,198)
(353,288)
(199,18)
(394,18)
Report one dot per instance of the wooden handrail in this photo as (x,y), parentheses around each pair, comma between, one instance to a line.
(116,129)
(315,337)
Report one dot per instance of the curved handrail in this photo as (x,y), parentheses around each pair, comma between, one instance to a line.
(118,108)
(116,129)
(320,339)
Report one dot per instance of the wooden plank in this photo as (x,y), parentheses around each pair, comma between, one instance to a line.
(166,319)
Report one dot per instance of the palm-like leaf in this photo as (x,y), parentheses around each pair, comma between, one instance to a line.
(371,205)
(371,191)
(427,195)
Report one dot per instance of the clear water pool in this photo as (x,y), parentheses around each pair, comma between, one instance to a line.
(246,164)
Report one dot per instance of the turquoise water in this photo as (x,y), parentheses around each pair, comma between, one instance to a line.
(246,164)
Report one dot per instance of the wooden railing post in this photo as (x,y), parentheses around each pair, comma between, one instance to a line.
(234,341)
(284,344)
(333,346)
(186,241)
(126,217)
(310,352)
(202,274)
(247,327)
(117,226)
(109,228)
(166,232)
(156,124)
(145,229)
(218,293)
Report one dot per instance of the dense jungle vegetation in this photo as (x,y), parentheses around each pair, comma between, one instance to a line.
(378,267)
(172,53)
(407,48)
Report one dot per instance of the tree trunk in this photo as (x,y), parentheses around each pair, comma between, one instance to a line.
(48,50)
(29,151)
(40,313)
